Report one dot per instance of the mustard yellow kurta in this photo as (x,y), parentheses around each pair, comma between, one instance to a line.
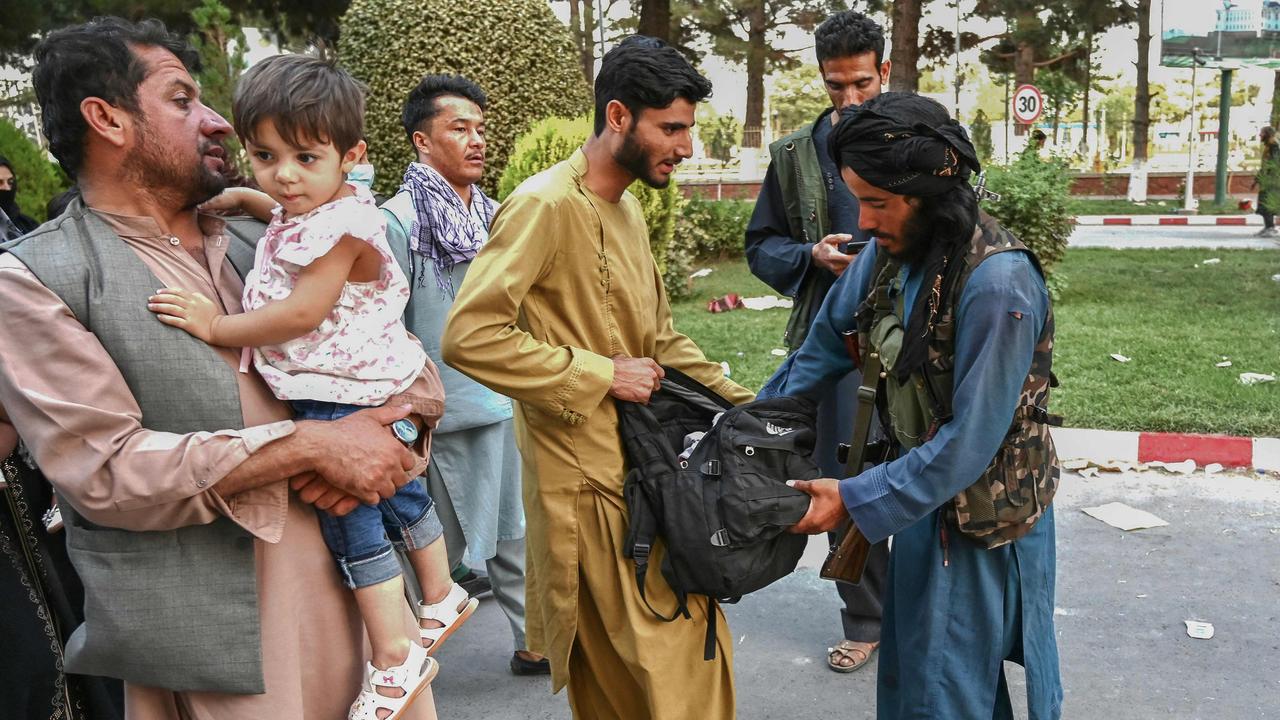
(566,282)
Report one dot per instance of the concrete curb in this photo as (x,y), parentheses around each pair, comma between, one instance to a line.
(1101,446)
(1198,220)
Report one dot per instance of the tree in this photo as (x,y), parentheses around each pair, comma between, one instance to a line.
(1092,17)
(981,128)
(1142,94)
(516,50)
(655,19)
(26,22)
(746,32)
(904,45)
(719,133)
(798,98)
(582,28)
(295,23)
(1061,95)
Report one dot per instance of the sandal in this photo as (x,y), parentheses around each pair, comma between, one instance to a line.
(412,676)
(851,650)
(446,613)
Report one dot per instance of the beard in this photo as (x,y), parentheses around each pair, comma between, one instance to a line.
(635,158)
(917,238)
(169,174)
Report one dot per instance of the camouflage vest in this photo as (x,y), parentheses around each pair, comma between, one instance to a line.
(1012,493)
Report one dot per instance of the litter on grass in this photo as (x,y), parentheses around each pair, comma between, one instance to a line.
(702,273)
(725,366)
(1250,378)
(1121,516)
(1198,629)
(766,302)
(1212,261)
(1224,363)
(1119,358)
(778,352)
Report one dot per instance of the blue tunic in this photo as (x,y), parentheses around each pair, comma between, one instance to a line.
(948,628)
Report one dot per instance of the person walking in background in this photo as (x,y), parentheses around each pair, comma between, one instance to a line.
(803,235)
(1268,181)
(322,310)
(19,224)
(436,224)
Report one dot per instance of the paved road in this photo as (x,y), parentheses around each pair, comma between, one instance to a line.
(1122,600)
(1155,236)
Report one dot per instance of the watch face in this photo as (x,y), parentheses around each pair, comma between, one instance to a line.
(404,430)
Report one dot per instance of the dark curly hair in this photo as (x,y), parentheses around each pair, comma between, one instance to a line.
(848,33)
(644,72)
(96,59)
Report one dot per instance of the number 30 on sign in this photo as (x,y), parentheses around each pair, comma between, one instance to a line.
(1028,103)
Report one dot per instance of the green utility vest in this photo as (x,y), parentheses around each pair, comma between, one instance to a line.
(804,198)
(1013,492)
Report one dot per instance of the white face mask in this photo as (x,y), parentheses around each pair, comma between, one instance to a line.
(361,174)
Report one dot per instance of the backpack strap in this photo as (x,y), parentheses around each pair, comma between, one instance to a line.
(639,552)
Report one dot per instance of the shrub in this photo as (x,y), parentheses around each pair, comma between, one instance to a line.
(554,139)
(713,229)
(39,180)
(516,50)
(1033,205)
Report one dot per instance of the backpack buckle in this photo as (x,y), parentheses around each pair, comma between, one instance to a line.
(710,467)
(640,553)
(720,538)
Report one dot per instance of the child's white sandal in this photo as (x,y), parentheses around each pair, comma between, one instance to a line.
(412,676)
(447,614)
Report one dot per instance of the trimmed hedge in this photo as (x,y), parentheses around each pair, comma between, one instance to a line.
(1033,205)
(554,139)
(714,229)
(39,180)
(516,50)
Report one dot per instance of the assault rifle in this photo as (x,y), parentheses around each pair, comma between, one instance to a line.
(848,558)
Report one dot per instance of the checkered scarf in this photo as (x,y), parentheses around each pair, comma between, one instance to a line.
(443,230)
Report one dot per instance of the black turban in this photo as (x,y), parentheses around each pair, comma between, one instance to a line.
(904,143)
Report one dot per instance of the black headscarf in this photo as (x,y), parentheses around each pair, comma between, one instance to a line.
(904,143)
(9,205)
(910,145)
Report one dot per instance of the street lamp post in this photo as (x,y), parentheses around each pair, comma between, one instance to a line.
(1189,199)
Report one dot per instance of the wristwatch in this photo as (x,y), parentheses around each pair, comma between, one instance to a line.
(405,431)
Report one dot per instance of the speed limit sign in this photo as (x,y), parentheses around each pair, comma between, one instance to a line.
(1028,103)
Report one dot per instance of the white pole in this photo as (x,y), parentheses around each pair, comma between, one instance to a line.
(1189,200)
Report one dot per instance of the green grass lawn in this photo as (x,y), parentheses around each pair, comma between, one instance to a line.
(1173,319)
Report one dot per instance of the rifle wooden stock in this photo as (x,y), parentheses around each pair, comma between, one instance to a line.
(846,560)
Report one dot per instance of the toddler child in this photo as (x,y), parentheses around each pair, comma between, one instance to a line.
(322,312)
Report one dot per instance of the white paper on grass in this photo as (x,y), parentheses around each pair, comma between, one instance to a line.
(1119,358)
(1119,515)
(702,273)
(766,302)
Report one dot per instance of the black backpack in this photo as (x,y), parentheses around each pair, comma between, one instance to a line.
(722,512)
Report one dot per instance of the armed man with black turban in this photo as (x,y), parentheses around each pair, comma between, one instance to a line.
(948,317)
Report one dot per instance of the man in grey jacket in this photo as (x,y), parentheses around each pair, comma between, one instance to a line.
(436,224)
(208,589)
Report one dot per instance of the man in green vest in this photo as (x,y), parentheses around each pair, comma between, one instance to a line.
(955,329)
(802,236)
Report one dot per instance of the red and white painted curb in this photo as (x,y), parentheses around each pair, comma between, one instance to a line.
(1200,220)
(1102,446)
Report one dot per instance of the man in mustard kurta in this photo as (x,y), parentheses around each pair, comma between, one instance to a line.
(564,311)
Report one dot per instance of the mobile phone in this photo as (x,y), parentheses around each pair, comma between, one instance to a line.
(853,247)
